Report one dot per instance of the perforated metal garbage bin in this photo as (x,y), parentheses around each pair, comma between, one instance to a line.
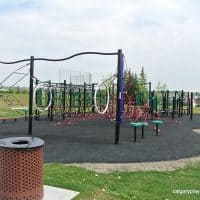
(21,168)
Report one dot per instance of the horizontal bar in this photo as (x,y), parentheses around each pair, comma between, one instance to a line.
(61,59)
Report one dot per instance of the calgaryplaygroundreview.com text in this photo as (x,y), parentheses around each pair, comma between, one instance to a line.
(186,192)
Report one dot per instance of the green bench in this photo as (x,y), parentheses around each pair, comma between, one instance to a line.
(138,124)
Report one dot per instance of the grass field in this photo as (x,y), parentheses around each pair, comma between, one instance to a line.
(18,100)
(196,110)
(125,185)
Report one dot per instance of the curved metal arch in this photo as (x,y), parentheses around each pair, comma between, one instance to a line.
(75,55)
(61,59)
(14,62)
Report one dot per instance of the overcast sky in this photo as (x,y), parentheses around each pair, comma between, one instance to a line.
(161,35)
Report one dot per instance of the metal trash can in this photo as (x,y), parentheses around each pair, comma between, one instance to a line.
(21,168)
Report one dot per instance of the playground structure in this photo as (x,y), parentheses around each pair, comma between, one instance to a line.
(107,99)
(69,100)
(119,91)
(74,77)
(63,99)
(171,103)
(88,142)
(156,104)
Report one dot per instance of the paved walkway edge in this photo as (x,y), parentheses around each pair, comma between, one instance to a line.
(144,166)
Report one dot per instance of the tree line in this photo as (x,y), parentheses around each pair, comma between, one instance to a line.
(136,85)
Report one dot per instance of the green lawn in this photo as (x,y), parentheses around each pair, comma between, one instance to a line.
(18,100)
(125,185)
(196,110)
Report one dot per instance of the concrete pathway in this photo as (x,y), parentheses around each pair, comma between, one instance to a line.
(53,193)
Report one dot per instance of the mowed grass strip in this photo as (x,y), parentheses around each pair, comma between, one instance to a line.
(125,185)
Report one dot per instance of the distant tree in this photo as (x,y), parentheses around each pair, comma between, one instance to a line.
(142,86)
(130,85)
(161,87)
(135,82)
(142,95)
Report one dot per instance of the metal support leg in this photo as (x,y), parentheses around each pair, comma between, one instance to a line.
(135,137)
(142,132)
(25,115)
(156,129)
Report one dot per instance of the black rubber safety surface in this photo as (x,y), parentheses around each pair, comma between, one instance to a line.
(93,140)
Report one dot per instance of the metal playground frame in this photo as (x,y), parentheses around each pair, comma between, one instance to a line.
(119,93)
